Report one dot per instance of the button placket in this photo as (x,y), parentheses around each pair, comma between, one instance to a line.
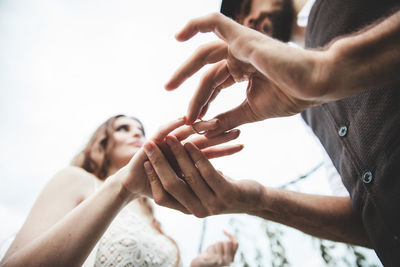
(342,131)
(367,177)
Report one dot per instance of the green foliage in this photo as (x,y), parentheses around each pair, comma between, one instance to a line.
(273,236)
(352,256)
(277,250)
(276,256)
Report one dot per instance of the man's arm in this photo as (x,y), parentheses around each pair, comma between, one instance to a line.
(327,217)
(367,59)
(322,216)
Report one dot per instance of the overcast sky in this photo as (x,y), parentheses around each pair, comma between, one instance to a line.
(66,66)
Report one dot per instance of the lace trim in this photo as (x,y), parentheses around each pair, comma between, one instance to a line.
(131,241)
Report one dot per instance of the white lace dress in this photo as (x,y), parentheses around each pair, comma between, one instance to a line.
(130,240)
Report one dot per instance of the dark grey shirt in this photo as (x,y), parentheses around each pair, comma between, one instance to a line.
(362,133)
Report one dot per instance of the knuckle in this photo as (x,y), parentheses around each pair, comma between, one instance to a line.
(207,75)
(192,22)
(202,50)
(190,179)
(185,211)
(156,159)
(215,16)
(152,178)
(226,197)
(215,209)
(170,186)
(200,213)
(214,206)
(160,199)
(196,157)
(207,172)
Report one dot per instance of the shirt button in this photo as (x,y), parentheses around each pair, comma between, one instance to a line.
(367,177)
(342,131)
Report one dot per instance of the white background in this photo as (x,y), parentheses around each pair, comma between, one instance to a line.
(66,66)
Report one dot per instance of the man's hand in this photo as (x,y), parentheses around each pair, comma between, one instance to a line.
(284,80)
(273,89)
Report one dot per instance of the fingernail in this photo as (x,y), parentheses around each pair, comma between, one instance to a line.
(216,122)
(148,148)
(235,131)
(213,120)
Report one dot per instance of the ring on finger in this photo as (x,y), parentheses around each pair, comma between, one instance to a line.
(198,132)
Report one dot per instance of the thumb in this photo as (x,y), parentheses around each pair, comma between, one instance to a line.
(242,114)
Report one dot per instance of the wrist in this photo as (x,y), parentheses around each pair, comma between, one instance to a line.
(117,183)
(263,203)
(333,63)
(250,197)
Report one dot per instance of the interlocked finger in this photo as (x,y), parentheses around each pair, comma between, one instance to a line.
(191,174)
(171,183)
(206,169)
(161,196)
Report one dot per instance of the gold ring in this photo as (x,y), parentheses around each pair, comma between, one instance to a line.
(201,132)
(198,132)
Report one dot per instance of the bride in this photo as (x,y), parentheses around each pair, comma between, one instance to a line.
(97,212)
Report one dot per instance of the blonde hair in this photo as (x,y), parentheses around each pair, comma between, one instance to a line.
(94,158)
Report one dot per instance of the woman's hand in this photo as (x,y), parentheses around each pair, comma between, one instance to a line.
(133,176)
(202,190)
(219,254)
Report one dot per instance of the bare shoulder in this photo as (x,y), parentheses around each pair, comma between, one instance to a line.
(74,178)
(74,172)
